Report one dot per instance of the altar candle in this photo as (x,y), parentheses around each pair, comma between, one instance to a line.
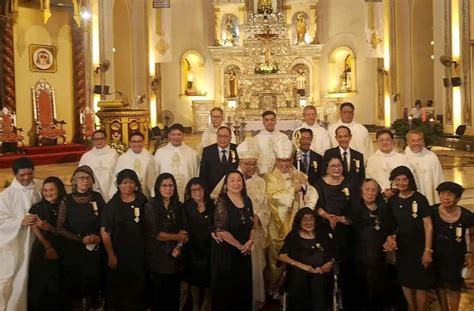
(458,232)
(414,207)
(136,211)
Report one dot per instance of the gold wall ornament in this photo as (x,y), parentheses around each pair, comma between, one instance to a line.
(45,10)
(77,4)
(374,40)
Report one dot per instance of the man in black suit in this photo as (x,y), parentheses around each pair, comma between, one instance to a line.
(218,159)
(310,162)
(352,160)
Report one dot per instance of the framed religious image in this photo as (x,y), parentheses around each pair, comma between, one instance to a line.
(42,58)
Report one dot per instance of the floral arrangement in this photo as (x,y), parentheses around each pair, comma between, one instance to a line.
(264,68)
(432,130)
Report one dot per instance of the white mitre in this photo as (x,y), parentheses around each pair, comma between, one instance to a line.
(248,149)
(283,149)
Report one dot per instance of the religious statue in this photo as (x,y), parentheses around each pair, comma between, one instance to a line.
(231,84)
(300,29)
(264,7)
(230,31)
(288,97)
(247,97)
(346,83)
(301,83)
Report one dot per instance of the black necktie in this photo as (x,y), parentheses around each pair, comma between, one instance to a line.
(305,163)
(224,158)
(344,161)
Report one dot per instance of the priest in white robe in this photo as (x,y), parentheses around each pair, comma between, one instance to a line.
(426,165)
(287,191)
(360,135)
(209,136)
(255,185)
(102,159)
(384,160)
(321,140)
(16,237)
(265,141)
(177,159)
(137,158)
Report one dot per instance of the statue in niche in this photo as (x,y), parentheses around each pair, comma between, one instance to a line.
(300,29)
(264,7)
(345,83)
(301,82)
(247,97)
(230,31)
(231,82)
(288,95)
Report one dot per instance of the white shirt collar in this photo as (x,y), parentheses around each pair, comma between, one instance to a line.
(341,150)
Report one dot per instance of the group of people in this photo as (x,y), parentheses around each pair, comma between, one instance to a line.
(315,220)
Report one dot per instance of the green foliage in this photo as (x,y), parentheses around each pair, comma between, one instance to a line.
(432,131)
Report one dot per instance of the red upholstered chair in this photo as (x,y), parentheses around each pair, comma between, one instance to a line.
(9,133)
(44,104)
(87,123)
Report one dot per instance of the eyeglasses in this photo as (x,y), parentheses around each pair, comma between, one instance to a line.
(197,189)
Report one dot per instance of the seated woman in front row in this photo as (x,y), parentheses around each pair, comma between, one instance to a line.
(309,255)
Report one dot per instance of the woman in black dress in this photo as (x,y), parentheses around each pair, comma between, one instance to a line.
(411,235)
(450,222)
(165,235)
(43,280)
(231,264)
(79,223)
(199,210)
(370,234)
(123,238)
(309,256)
(337,196)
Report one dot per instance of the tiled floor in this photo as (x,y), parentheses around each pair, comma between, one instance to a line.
(458,166)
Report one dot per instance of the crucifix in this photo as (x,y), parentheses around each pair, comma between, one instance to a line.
(266,39)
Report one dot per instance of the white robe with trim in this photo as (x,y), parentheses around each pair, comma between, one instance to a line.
(143,164)
(15,243)
(380,165)
(256,190)
(181,161)
(102,161)
(428,172)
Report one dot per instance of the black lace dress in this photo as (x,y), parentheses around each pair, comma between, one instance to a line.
(450,248)
(231,271)
(79,216)
(125,284)
(410,239)
(43,281)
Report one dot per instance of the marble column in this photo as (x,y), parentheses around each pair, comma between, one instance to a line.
(79,73)
(8,61)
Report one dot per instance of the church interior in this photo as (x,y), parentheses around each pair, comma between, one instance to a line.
(69,67)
